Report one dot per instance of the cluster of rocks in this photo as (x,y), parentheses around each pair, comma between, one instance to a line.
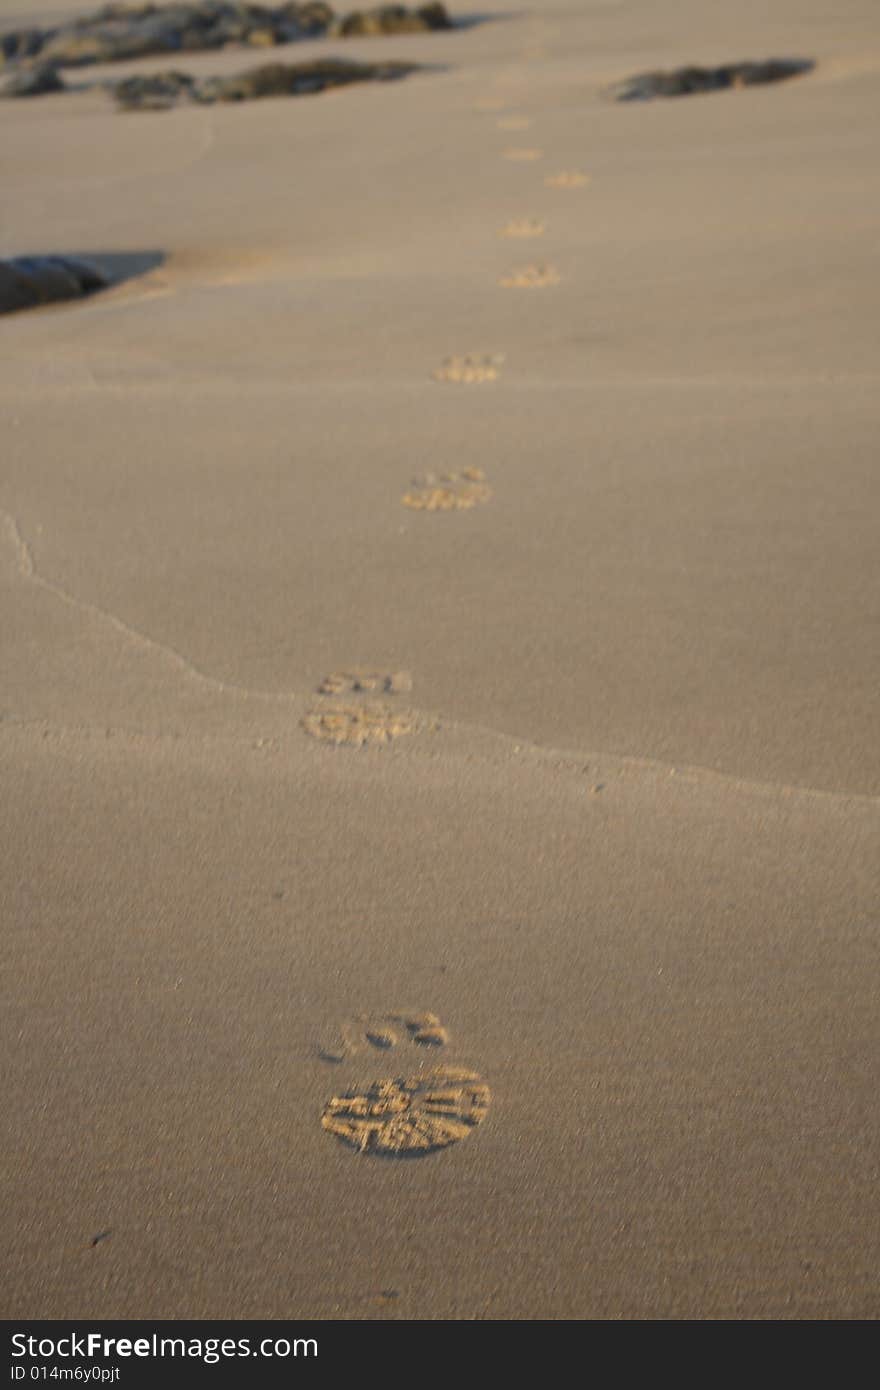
(684,81)
(29,281)
(160,91)
(124,32)
(31,81)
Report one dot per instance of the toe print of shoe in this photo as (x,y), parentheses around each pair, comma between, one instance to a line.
(401,1028)
(361,680)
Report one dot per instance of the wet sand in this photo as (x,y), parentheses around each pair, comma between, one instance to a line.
(623,838)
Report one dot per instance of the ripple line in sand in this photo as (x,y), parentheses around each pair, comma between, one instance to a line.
(15,547)
(524,155)
(25,568)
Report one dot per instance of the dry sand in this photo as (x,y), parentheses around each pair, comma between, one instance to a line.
(620,836)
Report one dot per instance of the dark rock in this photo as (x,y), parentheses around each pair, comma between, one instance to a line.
(685,81)
(435,16)
(771,70)
(298,79)
(156,92)
(29,281)
(23,43)
(163,90)
(394,19)
(70,48)
(123,32)
(262,38)
(312,18)
(31,82)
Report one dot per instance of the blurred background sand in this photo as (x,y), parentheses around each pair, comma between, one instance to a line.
(659,944)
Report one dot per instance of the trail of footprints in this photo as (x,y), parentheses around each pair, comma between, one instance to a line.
(406,1116)
(451,491)
(418,1112)
(348,712)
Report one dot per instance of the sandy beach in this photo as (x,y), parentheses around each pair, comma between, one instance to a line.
(440,580)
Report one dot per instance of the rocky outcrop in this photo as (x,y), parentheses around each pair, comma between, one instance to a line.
(160,91)
(394,19)
(33,81)
(29,281)
(684,81)
(156,92)
(124,32)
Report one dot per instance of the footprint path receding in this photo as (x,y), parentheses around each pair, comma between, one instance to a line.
(450,492)
(408,1117)
(359,723)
